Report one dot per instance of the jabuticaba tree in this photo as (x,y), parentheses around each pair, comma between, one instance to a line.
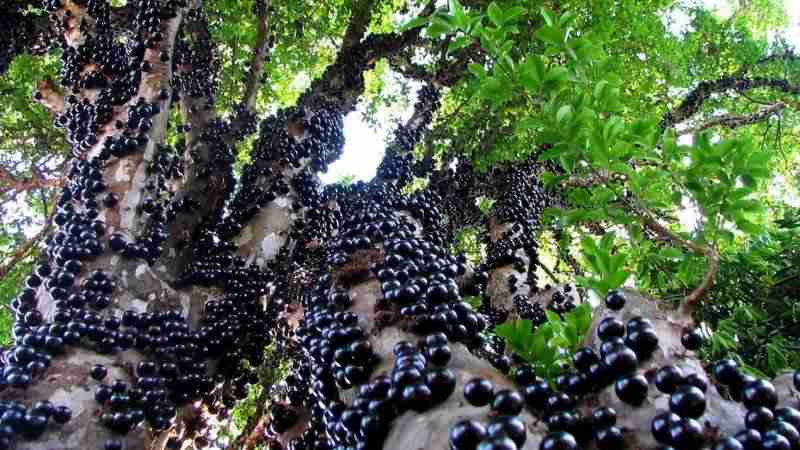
(147,316)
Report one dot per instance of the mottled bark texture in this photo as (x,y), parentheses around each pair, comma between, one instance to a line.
(140,287)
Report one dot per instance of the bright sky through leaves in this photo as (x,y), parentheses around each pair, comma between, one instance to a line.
(364,145)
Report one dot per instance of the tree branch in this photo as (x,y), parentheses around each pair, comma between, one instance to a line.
(333,94)
(343,81)
(401,63)
(244,122)
(712,256)
(788,56)
(549,273)
(447,75)
(732,122)
(650,223)
(25,249)
(694,100)
(260,50)
(39,179)
(9,182)
(360,18)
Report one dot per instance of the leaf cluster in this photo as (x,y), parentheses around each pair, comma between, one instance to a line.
(549,346)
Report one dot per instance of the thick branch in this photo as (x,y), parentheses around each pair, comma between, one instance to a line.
(695,99)
(359,21)
(732,121)
(125,174)
(402,64)
(343,81)
(406,137)
(448,74)
(332,95)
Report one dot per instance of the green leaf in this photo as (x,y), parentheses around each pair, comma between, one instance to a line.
(473,301)
(550,179)
(557,74)
(748,226)
(599,89)
(552,317)
(583,315)
(580,320)
(415,23)
(506,331)
(617,279)
(494,90)
(438,28)
(550,35)
(548,16)
(513,13)
(459,43)
(564,113)
(477,69)
(532,72)
(670,253)
(455,7)
(566,19)
(495,14)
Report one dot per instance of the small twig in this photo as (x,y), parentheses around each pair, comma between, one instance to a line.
(259,57)
(691,300)
(703,91)
(549,273)
(253,432)
(12,183)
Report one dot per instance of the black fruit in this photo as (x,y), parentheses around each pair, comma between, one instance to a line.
(467,434)
(507,402)
(615,300)
(688,401)
(668,378)
(692,339)
(479,391)
(560,440)
(631,389)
